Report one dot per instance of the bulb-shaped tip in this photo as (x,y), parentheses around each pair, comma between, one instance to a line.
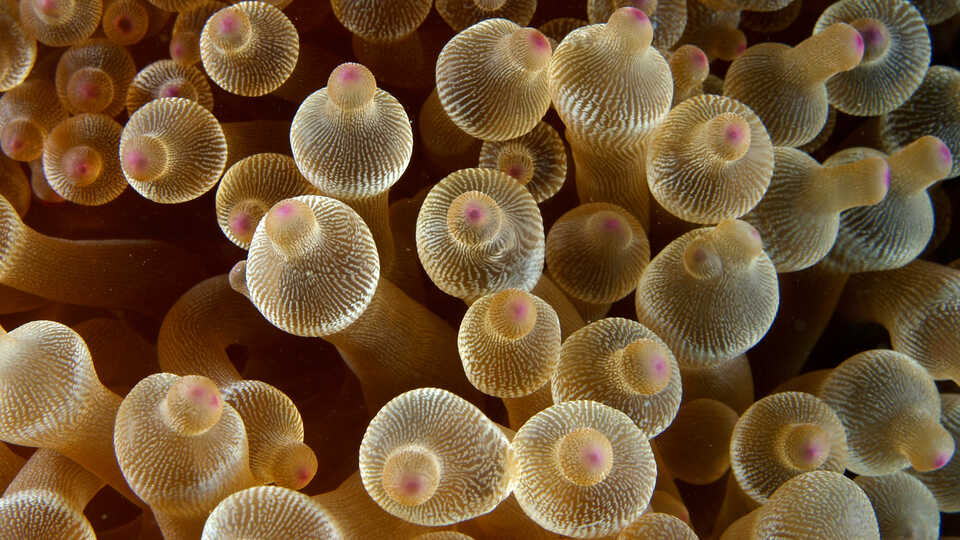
(238,278)
(144,158)
(351,86)
(631,28)
(295,466)
(585,456)
(512,313)
(185,47)
(411,475)
(82,165)
(291,226)
(805,447)
(529,48)
(610,229)
(928,445)
(728,135)
(518,165)
(21,140)
(52,9)
(193,405)
(90,90)
(229,29)
(701,260)
(920,164)
(837,48)
(876,38)
(244,217)
(740,235)
(473,218)
(644,366)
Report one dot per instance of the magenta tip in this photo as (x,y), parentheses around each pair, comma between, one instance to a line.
(241,224)
(171,91)
(659,365)
(945,154)
(538,41)
(637,13)
(611,224)
(284,210)
(858,39)
(136,161)
(228,24)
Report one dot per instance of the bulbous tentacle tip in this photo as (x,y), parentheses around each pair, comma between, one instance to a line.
(806,446)
(644,366)
(143,158)
(875,38)
(845,41)
(290,224)
(21,140)
(351,85)
(512,313)
(530,48)
(82,165)
(411,475)
(585,456)
(52,9)
(296,466)
(238,278)
(229,28)
(931,452)
(193,405)
(474,217)
(184,47)
(632,27)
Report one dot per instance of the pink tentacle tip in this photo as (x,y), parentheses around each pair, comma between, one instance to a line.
(813,452)
(886,178)
(612,224)
(15,144)
(79,168)
(177,49)
(942,459)
(348,74)
(700,59)
(171,91)
(412,484)
(228,23)
(659,365)
(474,214)
(199,394)
(284,210)
(518,310)
(136,161)
(241,224)
(594,457)
(945,154)
(539,42)
(303,474)
(516,171)
(740,48)
(699,255)
(637,14)
(858,43)
(733,134)
(47,7)
(872,35)
(88,91)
